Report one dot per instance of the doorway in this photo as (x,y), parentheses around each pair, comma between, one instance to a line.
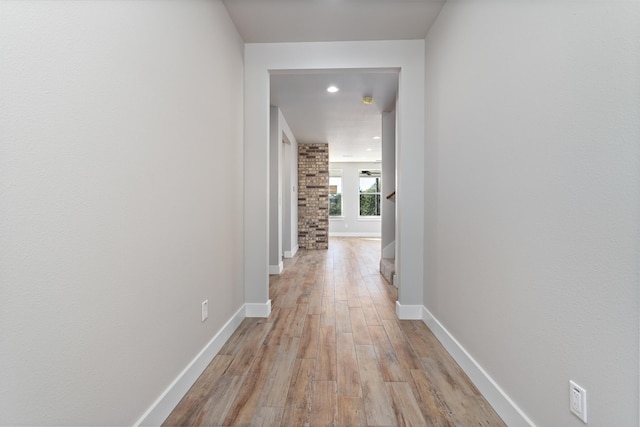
(405,56)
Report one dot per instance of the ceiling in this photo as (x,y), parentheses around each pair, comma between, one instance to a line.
(340,119)
(313,114)
(270,21)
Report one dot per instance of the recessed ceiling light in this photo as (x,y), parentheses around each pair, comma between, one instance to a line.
(332,89)
(376,137)
(369,149)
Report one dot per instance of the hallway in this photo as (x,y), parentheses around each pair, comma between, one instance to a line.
(332,352)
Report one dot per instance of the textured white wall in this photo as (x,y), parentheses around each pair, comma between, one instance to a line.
(533,201)
(120,193)
(350,223)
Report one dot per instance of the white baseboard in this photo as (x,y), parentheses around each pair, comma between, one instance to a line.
(291,253)
(389,251)
(408,312)
(258,309)
(162,407)
(510,413)
(276,269)
(341,234)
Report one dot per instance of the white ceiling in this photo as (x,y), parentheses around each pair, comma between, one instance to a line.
(269,21)
(339,119)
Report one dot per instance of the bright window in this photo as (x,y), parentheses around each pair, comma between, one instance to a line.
(370,192)
(335,192)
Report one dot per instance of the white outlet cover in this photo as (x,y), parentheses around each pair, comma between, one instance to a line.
(205,309)
(578,401)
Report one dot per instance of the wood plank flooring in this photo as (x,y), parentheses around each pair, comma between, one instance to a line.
(333,353)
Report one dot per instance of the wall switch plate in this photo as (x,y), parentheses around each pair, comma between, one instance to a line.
(578,401)
(205,309)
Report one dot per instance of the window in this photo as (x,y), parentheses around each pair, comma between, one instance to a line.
(369,192)
(335,192)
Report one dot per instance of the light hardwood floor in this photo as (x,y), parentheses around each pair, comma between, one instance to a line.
(333,353)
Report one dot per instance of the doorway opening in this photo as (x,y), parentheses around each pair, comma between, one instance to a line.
(263,60)
(351,112)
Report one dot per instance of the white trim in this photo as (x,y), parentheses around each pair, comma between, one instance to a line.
(257,309)
(510,413)
(408,312)
(290,254)
(276,269)
(340,234)
(167,401)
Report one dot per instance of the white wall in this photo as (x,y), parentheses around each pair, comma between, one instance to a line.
(533,201)
(283,199)
(290,196)
(350,224)
(275,192)
(121,200)
(388,208)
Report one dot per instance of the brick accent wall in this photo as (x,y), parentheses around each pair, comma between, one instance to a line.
(313,196)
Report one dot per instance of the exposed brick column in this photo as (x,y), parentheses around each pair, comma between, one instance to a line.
(313,196)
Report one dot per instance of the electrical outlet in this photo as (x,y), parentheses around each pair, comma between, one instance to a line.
(205,309)
(578,401)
